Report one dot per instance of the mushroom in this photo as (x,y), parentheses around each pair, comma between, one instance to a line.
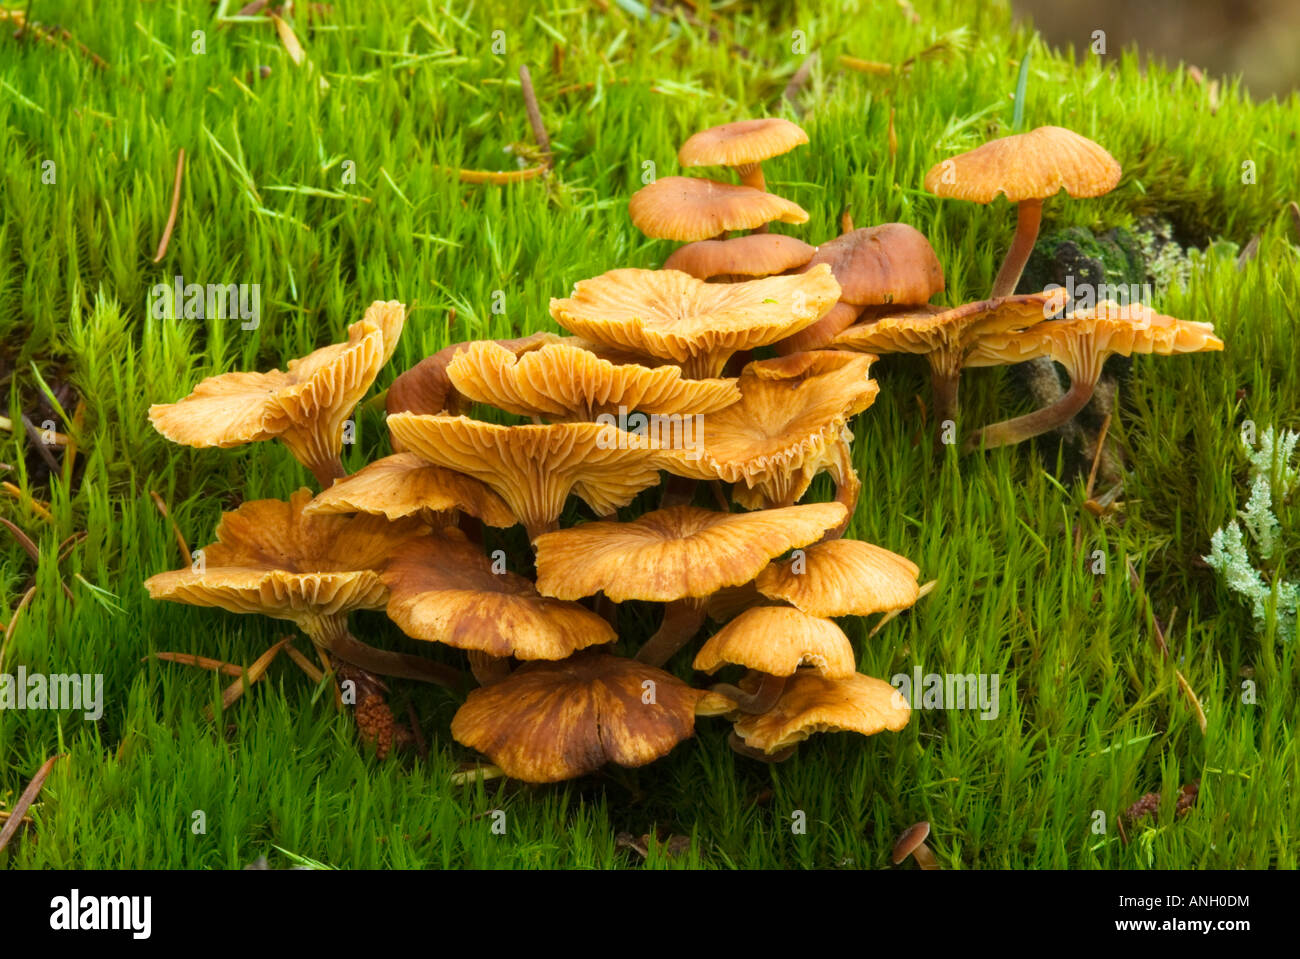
(842,577)
(755,255)
(743,146)
(698,325)
(912,843)
(562,382)
(812,703)
(686,209)
(443,589)
(1026,168)
(405,485)
(534,468)
(304,407)
(550,721)
(946,336)
(273,558)
(680,556)
(890,265)
(1081,343)
(789,425)
(774,641)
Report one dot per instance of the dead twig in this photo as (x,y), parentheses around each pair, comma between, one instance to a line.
(535,116)
(792,89)
(180,540)
(15,818)
(176,205)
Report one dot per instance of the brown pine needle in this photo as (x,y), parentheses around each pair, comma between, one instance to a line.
(39,508)
(203,662)
(535,115)
(230,695)
(305,664)
(24,540)
(1096,457)
(29,795)
(58,439)
(866,66)
(489,176)
(290,41)
(176,205)
(13,623)
(180,540)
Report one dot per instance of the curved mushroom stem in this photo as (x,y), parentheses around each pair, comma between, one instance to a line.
(488,669)
(1029,213)
(316,450)
(682,620)
(331,633)
(760,700)
(924,857)
(1033,424)
(848,486)
(749,752)
(751,175)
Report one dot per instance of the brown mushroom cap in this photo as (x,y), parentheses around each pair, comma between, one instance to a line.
(271,557)
(811,703)
(741,143)
(534,468)
(405,485)
(792,410)
(758,254)
(1027,166)
(562,382)
(550,721)
(909,841)
(443,589)
(886,264)
(777,640)
(842,577)
(699,325)
(305,406)
(674,553)
(685,209)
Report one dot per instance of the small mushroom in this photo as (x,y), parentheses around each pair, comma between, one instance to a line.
(1026,168)
(743,146)
(752,256)
(842,577)
(912,843)
(686,209)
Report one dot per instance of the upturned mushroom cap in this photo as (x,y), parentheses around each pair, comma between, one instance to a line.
(886,264)
(672,315)
(778,640)
(534,468)
(561,382)
(686,209)
(272,558)
(675,553)
(1027,166)
(405,485)
(550,721)
(443,589)
(958,329)
(1082,341)
(811,703)
(305,406)
(842,577)
(758,254)
(741,143)
(792,410)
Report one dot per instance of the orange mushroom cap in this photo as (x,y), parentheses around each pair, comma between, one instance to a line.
(1027,166)
(741,143)
(685,209)
(758,254)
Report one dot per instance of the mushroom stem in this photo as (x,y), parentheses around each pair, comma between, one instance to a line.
(678,491)
(682,620)
(1039,421)
(924,857)
(1029,213)
(945,379)
(488,669)
(327,472)
(751,175)
(738,746)
(760,700)
(331,633)
(848,486)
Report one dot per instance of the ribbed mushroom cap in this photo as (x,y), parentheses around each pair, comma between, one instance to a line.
(841,316)
(1082,341)
(562,382)
(811,703)
(890,263)
(699,325)
(305,406)
(1027,166)
(534,468)
(741,143)
(405,485)
(958,329)
(758,254)
(778,640)
(426,387)
(675,553)
(443,589)
(550,721)
(842,577)
(686,209)
(271,557)
(792,409)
